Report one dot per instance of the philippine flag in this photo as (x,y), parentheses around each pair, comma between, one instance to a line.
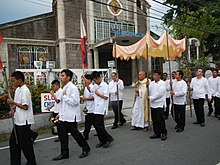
(83,43)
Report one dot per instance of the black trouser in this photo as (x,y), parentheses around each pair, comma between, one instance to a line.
(98,123)
(180,115)
(57,124)
(217,105)
(88,124)
(24,143)
(70,127)
(115,109)
(166,113)
(210,105)
(159,125)
(199,110)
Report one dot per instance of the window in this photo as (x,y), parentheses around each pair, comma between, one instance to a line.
(28,54)
(105,28)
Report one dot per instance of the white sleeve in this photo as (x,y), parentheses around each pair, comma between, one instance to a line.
(73,97)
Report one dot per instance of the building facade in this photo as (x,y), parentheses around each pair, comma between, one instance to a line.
(55,36)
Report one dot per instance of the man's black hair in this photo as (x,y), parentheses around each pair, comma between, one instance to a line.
(165,73)
(180,73)
(95,75)
(55,82)
(18,75)
(88,76)
(68,73)
(215,70)
(157,71)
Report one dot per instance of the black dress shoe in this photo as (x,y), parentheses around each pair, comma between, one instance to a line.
(57,140)
(114,127)
(179,130)
(202,124)
(106,145)
(85,152)
(209,114)
(196,122)
(99,145)
(154,136)
(176,127)
(163,136)
(60,157)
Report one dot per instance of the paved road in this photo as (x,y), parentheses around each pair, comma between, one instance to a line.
(195,146)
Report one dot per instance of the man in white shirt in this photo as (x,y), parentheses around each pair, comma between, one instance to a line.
(101,99)
(167,82)
(68,117)
(116,87)
(22,112)
(157,97)
(200,87)
(57,105)
(217,99)
(89,105)
(213,83)
(179,100)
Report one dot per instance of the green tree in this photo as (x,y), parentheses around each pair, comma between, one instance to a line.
(196,18)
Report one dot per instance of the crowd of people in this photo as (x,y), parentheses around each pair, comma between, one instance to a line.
(152,99)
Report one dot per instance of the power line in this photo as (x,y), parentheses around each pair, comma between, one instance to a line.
(143,14)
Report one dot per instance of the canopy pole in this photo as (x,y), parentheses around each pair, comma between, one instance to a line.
(148,104)
(9,96)
(188,76)
(116,68)
(171,87)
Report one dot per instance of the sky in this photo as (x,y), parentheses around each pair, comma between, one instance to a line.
(12,10)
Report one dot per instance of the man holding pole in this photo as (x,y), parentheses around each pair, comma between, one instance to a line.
(179,101)
(116,87)
(200,87)
(22,112)
(157,98)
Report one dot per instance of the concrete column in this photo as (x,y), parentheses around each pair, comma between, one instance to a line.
(134,71)
(96,59)
(61,33)
(90,62)
(90,22)
(135,16)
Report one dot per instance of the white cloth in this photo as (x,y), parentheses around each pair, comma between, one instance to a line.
(58,95)
(139,118)
(23,96)
(70,110)
(101,105)
(113,89)
(213,83)
(89,104)
(167,82)
(200,88)
(157,93)
(138,113)
(180,90)
(218,90)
